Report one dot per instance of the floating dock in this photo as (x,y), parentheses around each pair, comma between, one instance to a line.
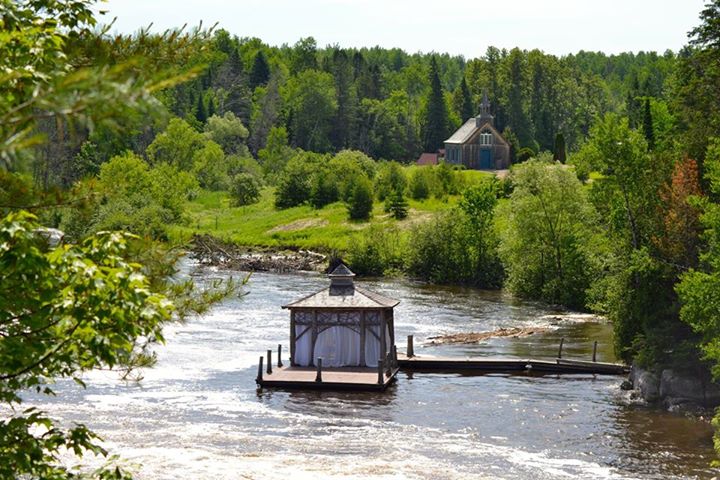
(305,378)
(506,365)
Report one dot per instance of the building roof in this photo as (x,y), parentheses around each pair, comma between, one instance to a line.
(428,159)
(463,133)
(343,294)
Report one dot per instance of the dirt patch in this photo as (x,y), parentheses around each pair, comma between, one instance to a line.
(301,224)
(477,337)
(212,251)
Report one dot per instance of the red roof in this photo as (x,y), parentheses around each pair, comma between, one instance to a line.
(428,159)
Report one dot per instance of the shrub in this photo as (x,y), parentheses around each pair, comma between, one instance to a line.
(245,189)
(360,203)
(396,205)
(420,183)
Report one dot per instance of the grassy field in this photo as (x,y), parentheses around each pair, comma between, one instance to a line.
(261,225)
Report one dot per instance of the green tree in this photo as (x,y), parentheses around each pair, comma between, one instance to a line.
(436,116)
(462,102)
(360,202)
(276,153)
(293,187)
(559,150)
(648,130)
(64,312)
(311,100)
(201,110)
(210,167)
(229,132)
(397,205)
(176,145)
(324,188)
(260,73)
(420,183)
(548,228)
(390,178)
(245,189)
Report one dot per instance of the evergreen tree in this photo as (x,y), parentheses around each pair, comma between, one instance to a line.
(235,63)
(211,107)
(648,125)
(260,73)
(462,102)
(559,151)
(360,203)
(396,205)
(436,117)
(201,110)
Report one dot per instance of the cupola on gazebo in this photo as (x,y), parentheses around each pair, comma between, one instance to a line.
(344,324)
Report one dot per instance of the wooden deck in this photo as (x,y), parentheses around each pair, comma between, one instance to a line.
(347,378)
(500,365)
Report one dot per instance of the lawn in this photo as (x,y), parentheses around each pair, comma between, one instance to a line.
(261,225)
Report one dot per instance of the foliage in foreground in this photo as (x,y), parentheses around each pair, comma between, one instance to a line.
(63,312)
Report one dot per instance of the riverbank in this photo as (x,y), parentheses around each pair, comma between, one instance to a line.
(674,390)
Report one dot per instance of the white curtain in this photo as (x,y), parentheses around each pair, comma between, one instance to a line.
(372,346)
(338,347)
(303,345)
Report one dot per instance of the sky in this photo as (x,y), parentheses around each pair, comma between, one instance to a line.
(458,27)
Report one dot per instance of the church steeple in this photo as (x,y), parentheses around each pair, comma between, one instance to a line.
(485,115)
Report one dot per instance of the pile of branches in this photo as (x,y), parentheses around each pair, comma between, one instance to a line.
(209,250)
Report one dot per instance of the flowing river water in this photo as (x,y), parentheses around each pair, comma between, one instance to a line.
(198,414)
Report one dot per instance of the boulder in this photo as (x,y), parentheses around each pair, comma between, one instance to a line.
(648,384)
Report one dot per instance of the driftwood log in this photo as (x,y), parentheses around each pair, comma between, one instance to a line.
(209,250)
(477,337)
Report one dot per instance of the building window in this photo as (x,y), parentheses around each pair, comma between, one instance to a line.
(486,138)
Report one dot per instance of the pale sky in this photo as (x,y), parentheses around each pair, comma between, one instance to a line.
(465,27)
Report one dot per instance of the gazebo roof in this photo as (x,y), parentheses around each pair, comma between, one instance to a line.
(343,294)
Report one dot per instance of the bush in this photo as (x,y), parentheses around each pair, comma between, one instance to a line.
(396,205)
(245,189)
(324,189)
(360,203)
(378,251)
(293,186)
(390,178)
(420,183)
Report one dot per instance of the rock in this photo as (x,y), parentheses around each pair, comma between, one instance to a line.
(648,384)
(626,385)
(681,386)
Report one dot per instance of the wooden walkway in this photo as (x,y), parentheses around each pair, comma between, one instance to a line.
(500,365)
(347,378)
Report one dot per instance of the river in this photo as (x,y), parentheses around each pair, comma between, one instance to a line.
(198,415)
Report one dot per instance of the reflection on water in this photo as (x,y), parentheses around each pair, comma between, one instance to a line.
(198,414)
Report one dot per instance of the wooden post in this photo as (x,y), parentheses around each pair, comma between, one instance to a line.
(388,363)
(410,347)
(394,354)
(260,370)
(383,337)
(314,332)
(363,339)
(318,375)
(269,362)
(292,338)
(381,372)
(280,355)
(562,340)
(595,351)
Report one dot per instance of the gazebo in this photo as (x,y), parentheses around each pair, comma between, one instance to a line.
(344,324)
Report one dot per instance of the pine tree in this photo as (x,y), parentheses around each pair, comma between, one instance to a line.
(468,110)
(396,205)
(436,119)
(211,110)
(559,151)
(648,125)
(260,73)
(360,204)
(201,111)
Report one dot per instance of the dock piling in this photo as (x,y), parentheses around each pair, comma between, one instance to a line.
(410,346)
(269,362)
(260,370)
(318,375)
(562,340)
(280,355)
(394,355)
(381,372)
(594,351)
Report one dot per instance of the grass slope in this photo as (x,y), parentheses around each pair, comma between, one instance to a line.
(261,225)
